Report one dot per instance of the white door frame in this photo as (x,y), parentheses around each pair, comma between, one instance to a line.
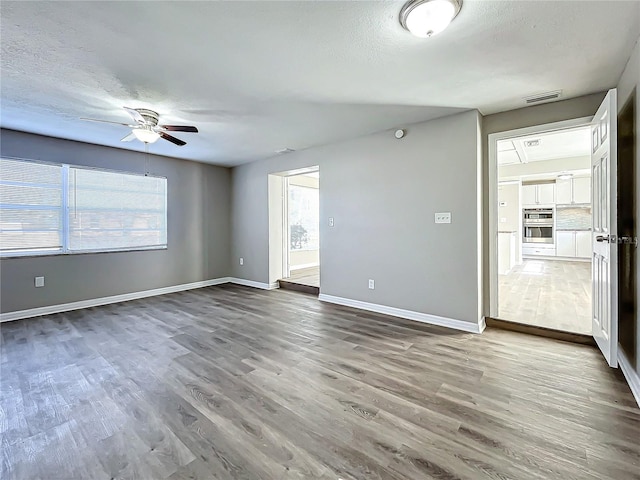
(493,193)
(286,233)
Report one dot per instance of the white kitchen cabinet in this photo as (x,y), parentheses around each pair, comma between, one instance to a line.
(529,194)
(564,192)
(538,249)
(582,190)
(583,244)
(539,194)
(573,190)
(566,244)
(546,193)
(573,244)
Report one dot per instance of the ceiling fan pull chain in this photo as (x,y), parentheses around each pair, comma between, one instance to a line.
(146,160)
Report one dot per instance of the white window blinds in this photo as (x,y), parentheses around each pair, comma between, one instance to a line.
(31,213)
(47,209)
(110,210)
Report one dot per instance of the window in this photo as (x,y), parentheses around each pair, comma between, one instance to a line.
(304,217)
(109,210)
(30,207)
(66,209)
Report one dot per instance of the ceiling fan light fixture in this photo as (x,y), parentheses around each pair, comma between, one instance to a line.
(145,135)
(425,18)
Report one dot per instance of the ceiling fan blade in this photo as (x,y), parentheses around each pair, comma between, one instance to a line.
(135,115)
(179,128)
(175,140)
(129,137)
(106,121)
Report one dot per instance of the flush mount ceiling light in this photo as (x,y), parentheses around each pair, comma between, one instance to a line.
(565,176)
(145,135)
(425,18)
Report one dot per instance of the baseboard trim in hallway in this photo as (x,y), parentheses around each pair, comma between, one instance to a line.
(632,377)
(408,314)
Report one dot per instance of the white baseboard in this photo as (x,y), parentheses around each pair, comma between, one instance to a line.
(408,314)
(95,302)
(633,379)
(254,284)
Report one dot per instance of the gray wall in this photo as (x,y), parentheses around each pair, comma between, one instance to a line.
(383,194)
(631,79)
(579,107)
(198,230)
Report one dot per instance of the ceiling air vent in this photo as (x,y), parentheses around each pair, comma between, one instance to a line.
(284,150)
(532,143)
(543,97)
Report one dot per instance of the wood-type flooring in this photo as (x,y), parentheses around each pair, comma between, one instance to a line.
(230,382)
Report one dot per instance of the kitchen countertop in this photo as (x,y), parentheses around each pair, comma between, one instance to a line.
(573,229)
(506,231)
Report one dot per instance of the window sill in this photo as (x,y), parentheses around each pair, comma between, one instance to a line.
(83,252)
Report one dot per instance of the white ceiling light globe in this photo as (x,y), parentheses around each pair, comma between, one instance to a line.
(146,136)
(425,18)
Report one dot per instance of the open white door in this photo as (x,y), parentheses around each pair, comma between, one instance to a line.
(604,168)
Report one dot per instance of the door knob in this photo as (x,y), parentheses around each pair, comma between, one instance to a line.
(603,238)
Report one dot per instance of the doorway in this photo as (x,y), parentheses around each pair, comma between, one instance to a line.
(301,251)
(294,229)
(542,227)
(608,209)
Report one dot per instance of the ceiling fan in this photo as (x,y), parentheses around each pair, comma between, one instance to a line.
(146,128)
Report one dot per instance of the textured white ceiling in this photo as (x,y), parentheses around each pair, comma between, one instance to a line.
(256,77)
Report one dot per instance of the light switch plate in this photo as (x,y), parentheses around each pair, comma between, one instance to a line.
(443,217)
(39,282)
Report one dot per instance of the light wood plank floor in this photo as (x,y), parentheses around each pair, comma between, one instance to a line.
(306,276)
(548,293)
(229,382)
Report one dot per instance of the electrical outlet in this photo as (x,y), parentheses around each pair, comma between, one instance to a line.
(39,282)
(241,261)
(331,223)
(372,284)
(443,217)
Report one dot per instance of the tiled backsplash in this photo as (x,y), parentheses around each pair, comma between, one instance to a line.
(573,218)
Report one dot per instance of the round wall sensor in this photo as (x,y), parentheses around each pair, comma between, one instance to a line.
(399,133)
